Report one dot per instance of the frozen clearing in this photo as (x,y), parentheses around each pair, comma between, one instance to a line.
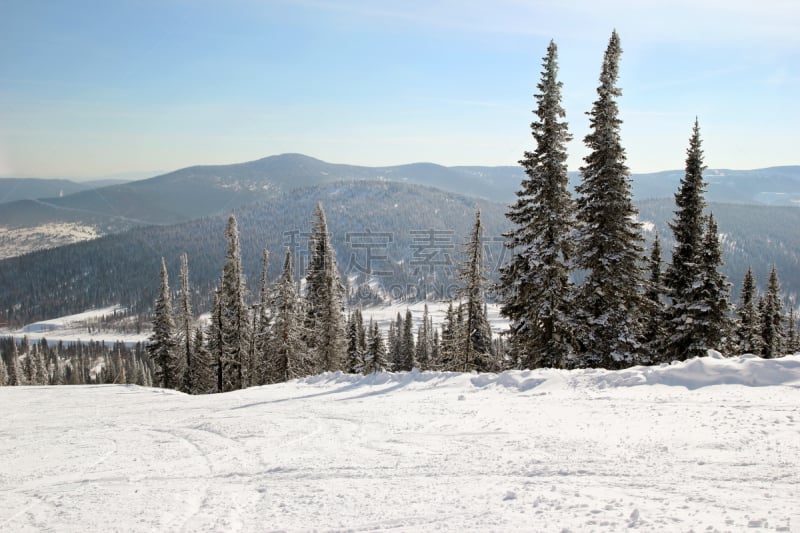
(707,445)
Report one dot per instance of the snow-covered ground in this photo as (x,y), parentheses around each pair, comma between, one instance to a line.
(82,327)
(19,241)
(711,444)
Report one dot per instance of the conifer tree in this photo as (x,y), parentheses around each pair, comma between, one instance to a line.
(749,324)
(792,338)
(260,341)
(608,238)
(406,358)
(235,323)
(162,345)
(15,376)
(685,274)
(121,376)
(653,329)
(712,308)
(288,357)
(215,342)
(772,330)
(28,366)
(447,350)
(424,341)
(203,379)
(355,355)
(436,353)
(375,360)
(362,332)
(393,342)
(535,286)
(3,371)
(475,342)
(107,372)
(184,323)
(57,372)
(504,360)
(325,323)
(40,376)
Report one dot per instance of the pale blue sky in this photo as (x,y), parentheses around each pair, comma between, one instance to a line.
(96,88)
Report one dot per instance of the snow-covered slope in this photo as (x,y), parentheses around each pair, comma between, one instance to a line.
(18,241)
(672,448)
(80,327)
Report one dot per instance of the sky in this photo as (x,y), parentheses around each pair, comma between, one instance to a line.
(92,89)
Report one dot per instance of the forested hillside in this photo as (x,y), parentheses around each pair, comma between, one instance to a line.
(123,268)
(751,235)
(419,230)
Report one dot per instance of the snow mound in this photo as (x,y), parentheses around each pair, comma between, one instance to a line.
(748,370)
(714,369)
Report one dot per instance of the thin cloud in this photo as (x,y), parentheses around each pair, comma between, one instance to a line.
(654,20)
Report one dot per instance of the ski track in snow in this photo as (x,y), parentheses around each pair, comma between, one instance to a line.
(672,448)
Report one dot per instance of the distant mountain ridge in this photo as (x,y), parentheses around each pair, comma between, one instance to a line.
(13,189)
(200,191)
(206,190)
(119,267)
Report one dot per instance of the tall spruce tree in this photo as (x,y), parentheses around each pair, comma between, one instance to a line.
(39,376)
(355,335)
(392,344)
(653,328)
(184,324)
(792,337)
(121,374)
(201,369)
(288,357)
(712,309)
(162,345)
(362,333)
(325,322)
(608,238)
(447,344)
(57,372)
(375,360)
(235,316)
(772,330)
(395,337)
(28,370)
(685,273)
(407,357)
(260,342)
(15,376)
(535,286)
(215,342)
(436,349)
(749,324)
(3,371)
(424,341)
(475,343)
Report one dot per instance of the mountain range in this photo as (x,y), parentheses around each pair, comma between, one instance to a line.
(273,198)
(207,190)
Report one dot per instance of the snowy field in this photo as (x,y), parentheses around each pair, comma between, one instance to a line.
(76,328)
(711,444)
